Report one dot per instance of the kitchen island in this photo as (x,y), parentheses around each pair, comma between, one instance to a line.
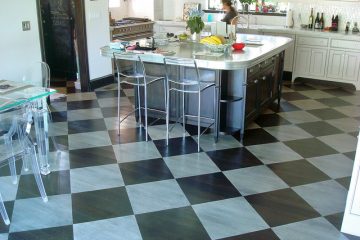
(248,80)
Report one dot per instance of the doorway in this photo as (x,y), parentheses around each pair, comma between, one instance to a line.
(58,30)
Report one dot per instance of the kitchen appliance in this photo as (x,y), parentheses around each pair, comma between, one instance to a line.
(132,28)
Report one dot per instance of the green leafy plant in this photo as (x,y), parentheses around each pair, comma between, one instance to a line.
(247,1)
(195,22)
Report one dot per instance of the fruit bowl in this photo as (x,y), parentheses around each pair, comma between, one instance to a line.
(238,46)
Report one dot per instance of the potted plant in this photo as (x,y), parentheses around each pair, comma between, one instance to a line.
(245,4)
(195,23)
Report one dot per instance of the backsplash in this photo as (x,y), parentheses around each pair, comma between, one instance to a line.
(347,11)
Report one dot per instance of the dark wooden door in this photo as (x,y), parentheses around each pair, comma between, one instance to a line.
(58,31)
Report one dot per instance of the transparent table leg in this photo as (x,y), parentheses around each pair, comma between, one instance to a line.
(42,137)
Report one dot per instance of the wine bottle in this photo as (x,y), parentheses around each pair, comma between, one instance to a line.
(322,23)
(333,23)
(317,21)
(311,19)
(336,22)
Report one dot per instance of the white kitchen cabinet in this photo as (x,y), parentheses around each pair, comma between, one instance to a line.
(351,220)
(302,60)
(335,64)
(318,62)
(343,65)
(351,66)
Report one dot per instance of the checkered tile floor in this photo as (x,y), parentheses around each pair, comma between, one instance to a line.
(288,180)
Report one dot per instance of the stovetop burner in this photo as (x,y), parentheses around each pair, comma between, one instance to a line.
(130,20)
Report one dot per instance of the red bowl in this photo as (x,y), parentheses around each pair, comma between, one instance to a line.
(238,46)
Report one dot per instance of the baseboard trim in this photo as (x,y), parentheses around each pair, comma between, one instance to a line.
(287,76)
(101,82)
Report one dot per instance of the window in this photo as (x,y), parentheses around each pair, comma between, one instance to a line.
(278,5)
(114,3)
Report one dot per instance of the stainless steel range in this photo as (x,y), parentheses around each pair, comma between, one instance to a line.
(132,28)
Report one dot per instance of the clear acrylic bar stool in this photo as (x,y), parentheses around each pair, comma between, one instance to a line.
(195,85)
(138,78)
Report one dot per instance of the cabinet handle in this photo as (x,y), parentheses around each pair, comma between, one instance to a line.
(264,78)
(251,70)
(256,81)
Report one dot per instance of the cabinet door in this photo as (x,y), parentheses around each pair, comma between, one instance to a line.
(251,105)
(302,61)
(264,88)
(318,62)
(335,64)
(351,66)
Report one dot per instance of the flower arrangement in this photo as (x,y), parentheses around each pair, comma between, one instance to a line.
(195,22)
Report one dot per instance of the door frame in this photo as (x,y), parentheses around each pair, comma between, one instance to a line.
(81,41)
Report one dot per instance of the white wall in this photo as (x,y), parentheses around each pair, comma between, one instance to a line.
(18,49)
(173,9)
(120,12)
(98,35)
(141,8)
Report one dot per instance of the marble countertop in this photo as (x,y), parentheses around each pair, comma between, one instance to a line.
(260,47)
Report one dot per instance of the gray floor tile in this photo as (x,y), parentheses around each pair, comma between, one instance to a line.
(113,228)
(317,228)
(89,140)
(253,180)
(355,99)
(4,236)
(308,104)
(207,142)
(326,197)
(158,132)
(190,165)
(129,92)
(351,111)
(156,196)
(340,142)
(81,96)
(287,132)
(95,178)
(131,152)
(299,117)
(84,114)
(33,213)
(59,160)
(58,128)
(112,102)
(273,153)
(316,94)
(335,166)
(229,217)
(345,124)
(8,189)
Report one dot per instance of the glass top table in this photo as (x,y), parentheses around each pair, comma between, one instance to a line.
(14,94)
(18,94)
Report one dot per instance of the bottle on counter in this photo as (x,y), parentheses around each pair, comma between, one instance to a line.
(336,23)
(317,21)
(311,19)
(333,23)
(322,22)
(347,27)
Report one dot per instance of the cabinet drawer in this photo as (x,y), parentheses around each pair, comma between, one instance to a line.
(322,42)
(337,43)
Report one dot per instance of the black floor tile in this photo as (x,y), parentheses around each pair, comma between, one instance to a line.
(350,155)
(233,158)
(267,234)
(85,104)
(284,107)
(336,219)
(351,237)
(177,146)
(208,187)
(327,113)
(345,182)
(333,102)
(101,204)
(270,120)
(128,135)
(91,157)
(5,169)
(90,125)
(113,111)
(56,233)
(193,130)
(293,96)
(178,223)
(55,183)
(256,136)
(9,206)
(299,86)
(281,207)
(296,173)
(319,128)
(310,147)
(109,94)
(59,116)
(62,143)
(145,171)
